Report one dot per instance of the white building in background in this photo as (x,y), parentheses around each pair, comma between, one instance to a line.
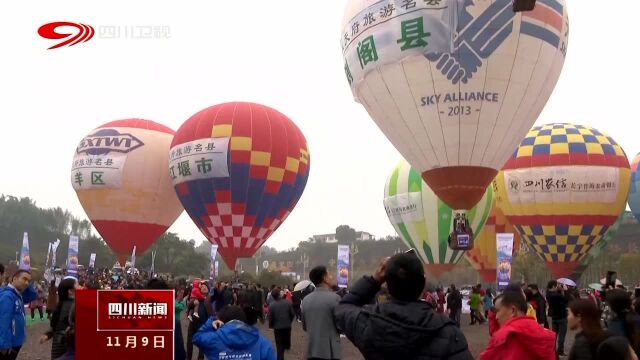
(331,238)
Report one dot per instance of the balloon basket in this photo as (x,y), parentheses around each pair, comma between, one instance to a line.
(523,5)
(461,238)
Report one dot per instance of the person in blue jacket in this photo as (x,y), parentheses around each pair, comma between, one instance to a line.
(233,336)
(12,323)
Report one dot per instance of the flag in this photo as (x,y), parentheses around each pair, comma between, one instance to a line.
(92,260)
(504,248)
(54,248)
(153,261)
(133,258)
(46,263)
(72,256)
(212,271)
(343,266)
(25,260)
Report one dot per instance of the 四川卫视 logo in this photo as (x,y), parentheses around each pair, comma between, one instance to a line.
(82,33)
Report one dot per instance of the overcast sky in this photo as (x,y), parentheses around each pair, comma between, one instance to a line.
(284,54)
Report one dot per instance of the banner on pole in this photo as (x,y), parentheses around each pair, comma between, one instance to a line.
(25,260)
(46,263)
(212,266)
(153,262)
(72,256)
(133,258)
(54,248)
(504,245)
(343,266)
(92,260)
(216,272)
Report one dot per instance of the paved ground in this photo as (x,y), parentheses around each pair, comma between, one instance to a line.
(477,336)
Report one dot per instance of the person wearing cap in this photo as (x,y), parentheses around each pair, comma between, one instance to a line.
(12,317)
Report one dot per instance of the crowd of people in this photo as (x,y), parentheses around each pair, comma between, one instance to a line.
(392,314)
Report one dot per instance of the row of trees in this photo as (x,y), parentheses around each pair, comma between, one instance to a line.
(182,257)
(19,215)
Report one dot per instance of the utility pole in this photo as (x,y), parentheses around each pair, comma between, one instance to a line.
(257,257)
(304,258)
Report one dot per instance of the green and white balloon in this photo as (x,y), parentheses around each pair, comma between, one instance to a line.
(423,221)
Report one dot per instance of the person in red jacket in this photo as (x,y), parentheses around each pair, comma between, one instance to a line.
(519,337)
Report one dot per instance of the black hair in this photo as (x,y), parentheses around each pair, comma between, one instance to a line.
(513,287)
(20,271)
(615,347)
(157,284)
(534,287)
(65,286)
(620,303)
(496,298)
(528,294)
(551,284)
(232,312)
(404,275)
(317,274)
(590,324)
(514,298)
(251,314)
(1,269)
(275,294)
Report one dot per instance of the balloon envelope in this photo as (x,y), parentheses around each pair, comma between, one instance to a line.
(423,221)
(562,189)
(120,175)
(597,249)
(454,87)
(239,169)
(634,192)
(483,256)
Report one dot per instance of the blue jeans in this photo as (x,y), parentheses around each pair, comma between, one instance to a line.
(559,326)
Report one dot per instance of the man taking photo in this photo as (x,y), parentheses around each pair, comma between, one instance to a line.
(404,327)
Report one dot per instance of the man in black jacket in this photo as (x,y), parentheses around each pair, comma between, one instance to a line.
(454,304)
(541,305)
(558,302)
(403,328)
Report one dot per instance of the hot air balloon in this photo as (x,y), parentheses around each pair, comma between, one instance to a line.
(634,192)
(120,175)
(454,85)
(562,189)
(597,249)
(483,255)
(423,221)
(239,169)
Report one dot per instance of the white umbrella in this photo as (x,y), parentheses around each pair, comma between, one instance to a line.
(603,281)
(302,285)
(567,282)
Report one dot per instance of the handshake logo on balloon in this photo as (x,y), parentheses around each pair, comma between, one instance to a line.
(478,39)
